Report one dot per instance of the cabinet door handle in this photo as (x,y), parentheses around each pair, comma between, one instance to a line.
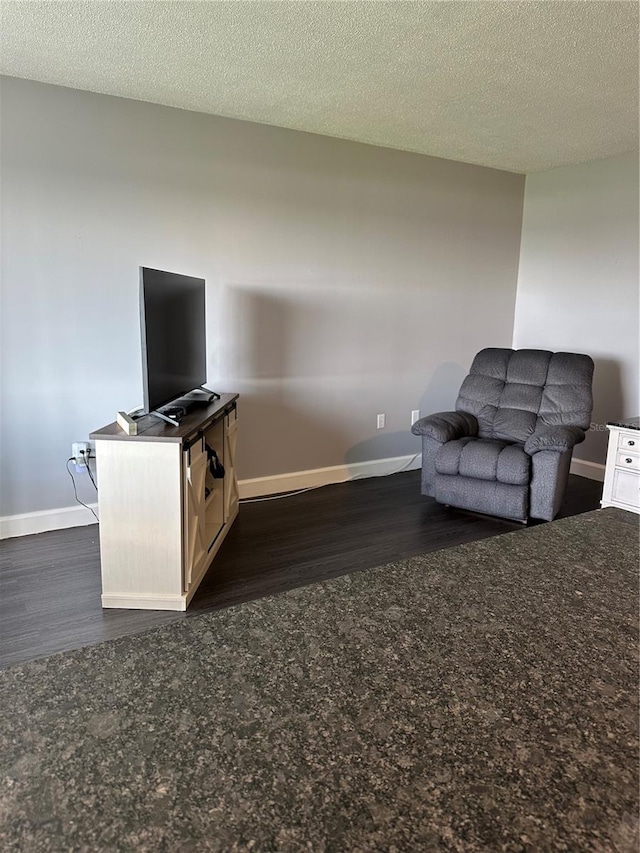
(631,443)
(628,460)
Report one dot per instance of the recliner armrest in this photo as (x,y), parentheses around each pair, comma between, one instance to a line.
(446,426)
(558,438)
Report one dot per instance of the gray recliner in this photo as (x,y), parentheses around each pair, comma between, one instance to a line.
(507,448)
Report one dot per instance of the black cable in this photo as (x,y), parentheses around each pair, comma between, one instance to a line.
(71,459)
(87,457)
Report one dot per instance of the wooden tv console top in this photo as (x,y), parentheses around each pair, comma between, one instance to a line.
(153,429)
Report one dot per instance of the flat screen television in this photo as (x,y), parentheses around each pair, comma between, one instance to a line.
(174,341)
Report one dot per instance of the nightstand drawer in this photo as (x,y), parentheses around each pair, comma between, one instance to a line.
(628,460)
(626,488)
(631,442)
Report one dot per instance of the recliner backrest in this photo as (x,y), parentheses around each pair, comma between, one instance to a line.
(511,392)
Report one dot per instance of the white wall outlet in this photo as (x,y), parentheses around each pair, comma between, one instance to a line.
(380,421)
(80,452)
(415,416)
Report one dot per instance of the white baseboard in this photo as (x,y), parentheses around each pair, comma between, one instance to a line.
(592,470)
(44,520)
(133,601)
(278,483)
(78,516)
(313,478)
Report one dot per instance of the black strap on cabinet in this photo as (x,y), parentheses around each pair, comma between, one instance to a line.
(216,467)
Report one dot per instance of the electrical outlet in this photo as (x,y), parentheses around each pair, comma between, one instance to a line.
(415,416)
(380,421)
(80,452)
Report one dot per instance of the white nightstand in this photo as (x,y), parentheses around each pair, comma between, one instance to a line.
(622,474)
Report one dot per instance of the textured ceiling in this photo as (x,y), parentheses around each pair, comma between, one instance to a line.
(522,86)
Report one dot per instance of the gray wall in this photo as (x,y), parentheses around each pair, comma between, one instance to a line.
(343,279)
(578,280)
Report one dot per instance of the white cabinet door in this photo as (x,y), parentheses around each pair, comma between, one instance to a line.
(195,546)
(626,488)
(231,494)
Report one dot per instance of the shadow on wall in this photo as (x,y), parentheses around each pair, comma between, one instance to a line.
(287,330)
(279,433)
(442,391)
(608,405)
(439,396)
(277,436)
(255,342)
(322,330)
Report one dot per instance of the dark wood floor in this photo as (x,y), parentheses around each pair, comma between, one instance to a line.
(50,583)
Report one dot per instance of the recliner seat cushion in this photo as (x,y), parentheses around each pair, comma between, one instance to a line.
(484,459)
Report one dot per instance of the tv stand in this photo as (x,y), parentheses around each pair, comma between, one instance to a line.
(163,516)
(174,412)
(212,395)
(166,418)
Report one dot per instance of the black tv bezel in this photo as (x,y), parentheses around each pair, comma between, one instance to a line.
(147,409)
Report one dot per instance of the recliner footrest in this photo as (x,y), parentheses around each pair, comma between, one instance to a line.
(486,496)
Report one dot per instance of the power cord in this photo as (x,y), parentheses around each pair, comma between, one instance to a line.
(283,495)
(75,491)
(322,486)
(87,456)
(391,473)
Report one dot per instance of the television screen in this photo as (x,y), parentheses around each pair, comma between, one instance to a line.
(174,347)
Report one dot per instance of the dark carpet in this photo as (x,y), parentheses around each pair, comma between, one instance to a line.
(479,698)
